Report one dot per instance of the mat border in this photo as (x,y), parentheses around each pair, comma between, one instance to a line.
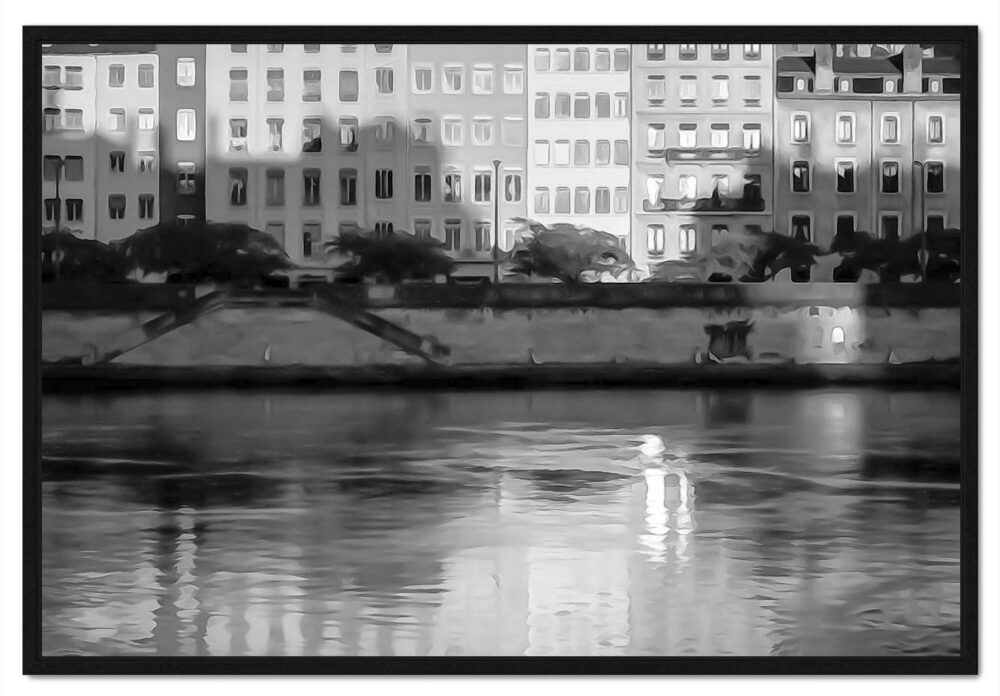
(33,662)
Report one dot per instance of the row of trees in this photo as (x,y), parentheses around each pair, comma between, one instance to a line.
(234,253)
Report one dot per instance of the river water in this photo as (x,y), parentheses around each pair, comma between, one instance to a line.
(501,523)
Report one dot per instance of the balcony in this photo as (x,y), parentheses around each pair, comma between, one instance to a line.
(709,154)
(750,202)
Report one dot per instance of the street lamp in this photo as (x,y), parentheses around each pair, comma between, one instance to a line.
(919,187)
(496,220)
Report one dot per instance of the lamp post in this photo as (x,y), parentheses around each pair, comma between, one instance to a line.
(496,220)
(919,186)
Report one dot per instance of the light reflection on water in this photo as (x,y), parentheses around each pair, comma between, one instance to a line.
(250,523)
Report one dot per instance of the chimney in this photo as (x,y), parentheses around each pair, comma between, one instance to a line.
(913,69)
(824,68)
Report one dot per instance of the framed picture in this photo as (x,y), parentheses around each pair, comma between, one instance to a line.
(496,350)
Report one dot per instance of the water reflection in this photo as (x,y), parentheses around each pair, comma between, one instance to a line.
(652,522)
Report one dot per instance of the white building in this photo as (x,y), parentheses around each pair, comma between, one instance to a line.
(579,136)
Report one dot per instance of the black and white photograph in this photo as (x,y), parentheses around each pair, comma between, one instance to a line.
(582,346)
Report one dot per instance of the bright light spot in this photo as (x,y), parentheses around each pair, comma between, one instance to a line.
(837,336)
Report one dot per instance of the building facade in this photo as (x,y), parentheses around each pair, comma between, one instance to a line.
(702,132)
(182,133)
(579,136)
(468,134)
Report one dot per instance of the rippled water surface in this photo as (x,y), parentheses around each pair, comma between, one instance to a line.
(253,523)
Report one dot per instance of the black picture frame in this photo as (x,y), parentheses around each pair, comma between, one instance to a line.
(35,663)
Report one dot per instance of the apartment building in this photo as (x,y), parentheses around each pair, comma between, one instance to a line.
(702,134)
(579,136)
(468,134)
(867,139)
(127,165)
(182,132)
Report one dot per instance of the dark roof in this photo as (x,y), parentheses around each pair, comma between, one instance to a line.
(797,64)
(942,66)
(879,65)
(84,49)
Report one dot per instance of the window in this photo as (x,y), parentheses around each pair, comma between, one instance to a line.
(844,85)
(482,80)
(452,189)
(581,59)
(621,152)
(621,199)
(542,59)
(751,137)
(720,51)
(116,120)
(687,186)
(785,84)
(348,134)
(482,130)
(581,105)
(51,205)
(800,128)
(513,79)
(74,209)
(74,119)
(541,200)
(116,75)
(602,152)
(751,51)
(935,177)
(146,206)
(484,235)
(275,85)
(383,183)
(451,130)
(935,130)
(186,181)
(310,187)
(312,135)
(423,131)
(688,90)
(845,176)
(238,85)
(562,200)
(621,105)
(751,89)
(312,85)
(383,48)
(512,183)
(385,130)
(513,131)
(541,105)
(147,162)
(146,79)
(74,77)
(656,52)
(656,138)
(720,135)
(73,170)
(688,52)
(482,182)
(237,135)
(654,192)
(116,206)
(383,80)
(187,124)
(422,184)
(845,225)
(50,77)
(718,232)
(237,48)
(118,161)
(348,85)
(890,129)
(452,234)
(688,135)
(311,48)
(720,88)
(51,119)
(800,177)
(562,59)
(541,152)
(889,228)
(656,89)
(602,200)
(602,60)
(581,200)
(146,119)
(687,238)
(935,222)
(274,187)
(238,186)
(560,152)
(310,237)
(581,152)
(655,240)
(348,179)
(562,105)
(453,79)
(423,79)
(621,59)
(890,177)
(845,129)
(602,105)
(422,228)
(275,48)
(275,126)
